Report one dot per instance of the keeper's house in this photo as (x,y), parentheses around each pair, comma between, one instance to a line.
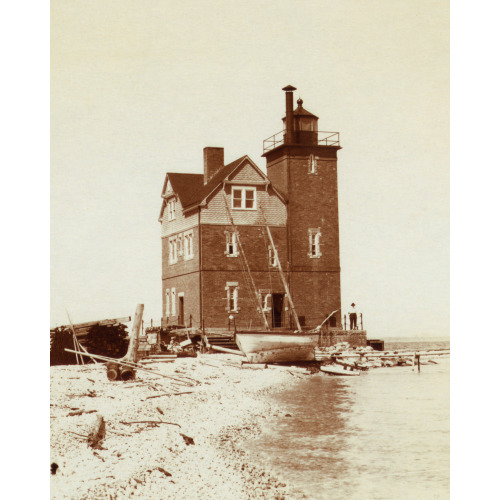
(217,257)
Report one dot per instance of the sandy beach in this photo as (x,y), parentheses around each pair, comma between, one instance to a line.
(193,453)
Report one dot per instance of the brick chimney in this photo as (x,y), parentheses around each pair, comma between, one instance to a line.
(213,160)
(289,114)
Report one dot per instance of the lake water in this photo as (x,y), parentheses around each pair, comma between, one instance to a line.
(382,435)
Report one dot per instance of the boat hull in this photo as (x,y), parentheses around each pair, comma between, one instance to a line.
(269,347)
(339,370)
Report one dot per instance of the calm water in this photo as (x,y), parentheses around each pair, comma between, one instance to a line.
(382,435)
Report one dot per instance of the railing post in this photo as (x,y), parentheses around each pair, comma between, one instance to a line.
(361,319)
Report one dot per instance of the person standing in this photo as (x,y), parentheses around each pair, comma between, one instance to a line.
(353,317)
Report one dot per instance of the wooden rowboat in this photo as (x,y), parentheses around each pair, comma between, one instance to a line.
(339,370)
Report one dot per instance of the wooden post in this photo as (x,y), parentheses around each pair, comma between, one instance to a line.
(345,322)
(418,361)
(361,319)
(114,369)
(134,335)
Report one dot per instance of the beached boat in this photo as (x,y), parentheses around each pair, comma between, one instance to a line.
(339,370)
(277,347)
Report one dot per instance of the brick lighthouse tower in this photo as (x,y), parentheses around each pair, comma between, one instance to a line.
(302,165)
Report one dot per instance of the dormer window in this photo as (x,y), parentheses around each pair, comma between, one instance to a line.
(171,209)
(244,198)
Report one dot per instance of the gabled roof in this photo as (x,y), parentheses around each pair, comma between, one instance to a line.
(185,185)
(191,190)
(205,190)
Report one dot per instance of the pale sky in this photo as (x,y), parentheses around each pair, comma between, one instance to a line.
(140,88)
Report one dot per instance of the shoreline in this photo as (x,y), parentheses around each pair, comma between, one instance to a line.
(227,406)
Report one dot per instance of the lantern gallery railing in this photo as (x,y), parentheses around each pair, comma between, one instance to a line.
(323,139)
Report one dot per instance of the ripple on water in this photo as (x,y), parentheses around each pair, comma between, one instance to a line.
(383,435)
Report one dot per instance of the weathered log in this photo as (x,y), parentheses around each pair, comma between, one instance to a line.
(149,422)
(188,440)
(169,394)
(97,433)
(256,366)
(80,412)
(127,373)
(113,370)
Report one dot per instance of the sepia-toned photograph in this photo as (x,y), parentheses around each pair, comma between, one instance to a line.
(249,250)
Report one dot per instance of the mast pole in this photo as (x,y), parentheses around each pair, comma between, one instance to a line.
(240,248)
(287,291)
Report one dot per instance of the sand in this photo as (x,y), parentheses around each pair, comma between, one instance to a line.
(224,406)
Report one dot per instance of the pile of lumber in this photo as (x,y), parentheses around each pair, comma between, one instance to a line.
(82,329)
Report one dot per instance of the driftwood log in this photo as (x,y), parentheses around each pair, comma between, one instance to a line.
(97,433)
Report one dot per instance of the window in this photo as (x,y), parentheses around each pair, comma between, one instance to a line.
(174,312)
(167,302)
(313,164)
(232,297)
(244,198)
(273,258)
(266,300)
(188,245)
(179,246)
(231,244)
(314,243)
(172,250)
(171,210)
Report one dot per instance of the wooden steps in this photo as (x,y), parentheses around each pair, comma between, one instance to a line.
(226,341)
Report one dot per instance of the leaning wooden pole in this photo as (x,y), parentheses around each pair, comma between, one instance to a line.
(285,284)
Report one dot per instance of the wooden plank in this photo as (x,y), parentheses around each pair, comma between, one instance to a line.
(224,349)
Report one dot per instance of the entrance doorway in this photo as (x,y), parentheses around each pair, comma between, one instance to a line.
(277,310)
(181,309)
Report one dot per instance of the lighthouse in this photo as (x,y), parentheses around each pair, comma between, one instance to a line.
(301,163)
